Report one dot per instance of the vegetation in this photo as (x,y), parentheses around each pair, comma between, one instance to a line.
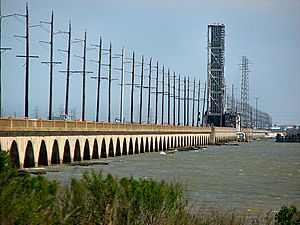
(98,199)
(288,216)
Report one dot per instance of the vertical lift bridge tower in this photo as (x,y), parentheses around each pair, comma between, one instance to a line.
(215,74)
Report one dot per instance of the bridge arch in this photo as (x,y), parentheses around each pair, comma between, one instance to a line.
(164,147)
(147,145)
(156,145)
(151,145)
(136,146)
(175,143)
(77,153)
(111,148)
(29,156)
(55,153)
(130,148)
(160,147)
(118,148)
(14,155)
(124,149)
(67,152)
(103,149)
(86,151)
(43,157)
(172,142)
(142,146)
(168,143)
(95,154)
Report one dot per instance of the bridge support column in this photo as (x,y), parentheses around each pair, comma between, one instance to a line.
(212,136)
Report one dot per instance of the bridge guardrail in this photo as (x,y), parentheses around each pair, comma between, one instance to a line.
(16,124)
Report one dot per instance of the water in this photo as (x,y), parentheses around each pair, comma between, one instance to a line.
(253,177)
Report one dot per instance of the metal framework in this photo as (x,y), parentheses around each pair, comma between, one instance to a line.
(215,74)
(245,108)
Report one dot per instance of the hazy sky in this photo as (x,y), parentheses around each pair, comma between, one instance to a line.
(172,32)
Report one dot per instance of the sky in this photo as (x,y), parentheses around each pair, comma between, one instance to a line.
(172,32)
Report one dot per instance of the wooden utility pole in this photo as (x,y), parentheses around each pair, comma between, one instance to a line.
(156,93)
(27,56)
(27,64)
(0,59)
(132,90)
(184,101)
(83,77)
(141,90)
(179,100)
(122,88)
(162,95)
(174,99)
(99,79)
(193,107)
(169,96)
(68,71)
(149,91)
(51,68)
(109,83)
(50,63)
(198,100)
(188,102)
(1,51)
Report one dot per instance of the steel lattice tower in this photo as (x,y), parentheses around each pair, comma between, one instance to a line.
(245,109)
(215,74)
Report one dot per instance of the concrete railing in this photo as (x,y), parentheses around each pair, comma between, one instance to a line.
(13,124)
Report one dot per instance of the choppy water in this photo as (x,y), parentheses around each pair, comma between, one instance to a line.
(261,175)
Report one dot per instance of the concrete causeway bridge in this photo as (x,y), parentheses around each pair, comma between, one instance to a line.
(34,143)
(40,142)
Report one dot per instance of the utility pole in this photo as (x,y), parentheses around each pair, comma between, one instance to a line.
(163,95)
(188,101)
(132,89)
(83,77)
(141,90)
(27,56)
(109,83)
(51,63)
(204,95)
(2,50)
(68,72)
(179,100)
(27,64)
(193,118)
(169,96)
(98,78)
(174,99)
(122,89)
(0,59)
(83,72)
(184,101)
(198,110)
(156,93)
(149,91)
(51,68)
(232,99)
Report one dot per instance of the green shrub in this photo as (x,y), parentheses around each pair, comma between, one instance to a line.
(288,216)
